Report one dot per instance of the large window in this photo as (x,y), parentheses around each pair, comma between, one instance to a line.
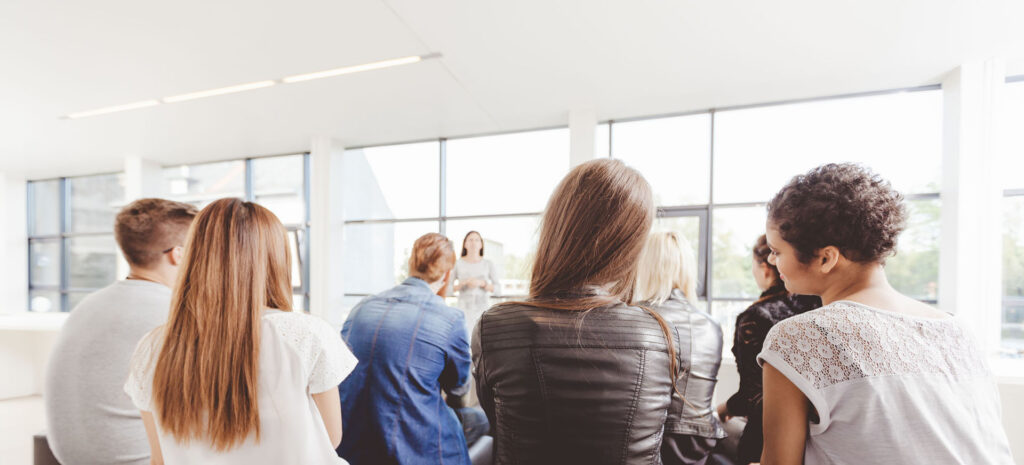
(496,185)
(71,242)
(279,183)
(719,169)
(1013,222)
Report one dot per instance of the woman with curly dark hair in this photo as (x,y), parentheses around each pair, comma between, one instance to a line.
(873,376)
(774,305)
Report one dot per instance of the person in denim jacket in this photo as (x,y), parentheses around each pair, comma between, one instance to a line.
(411,347)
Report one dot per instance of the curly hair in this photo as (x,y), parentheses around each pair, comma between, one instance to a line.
(843,205)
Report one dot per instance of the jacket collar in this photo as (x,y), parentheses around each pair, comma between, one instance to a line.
(416,282)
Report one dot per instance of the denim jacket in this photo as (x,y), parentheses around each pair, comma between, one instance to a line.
(410,347)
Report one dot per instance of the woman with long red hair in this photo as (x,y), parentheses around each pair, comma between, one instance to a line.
(235,376)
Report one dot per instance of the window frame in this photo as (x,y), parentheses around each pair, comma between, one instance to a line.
(62,237)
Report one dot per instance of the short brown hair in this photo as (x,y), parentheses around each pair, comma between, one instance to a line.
(432,256)
(147,227)
(843,205)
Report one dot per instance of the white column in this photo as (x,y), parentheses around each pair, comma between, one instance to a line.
(13,244)
(142,179)
(582,126)
(326,229)
(971,242)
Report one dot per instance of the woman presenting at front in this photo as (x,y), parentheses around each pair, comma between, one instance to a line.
(475,278)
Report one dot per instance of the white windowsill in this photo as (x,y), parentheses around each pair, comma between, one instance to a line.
(28,321)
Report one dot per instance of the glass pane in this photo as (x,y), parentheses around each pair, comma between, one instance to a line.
(396,181)
(672,153)
(377,254)
(75,298)
(277,183)
(293,250)
(44,257)
(509,243)
(735,230)
(914,270)
(298,302)
(95,201)
(602,147)
(45,207)
(689,228)
(44,301)
(202,184)
(758,150)
(1013,275)
(93,261)
(1013,153)
(511,173)
(725,313)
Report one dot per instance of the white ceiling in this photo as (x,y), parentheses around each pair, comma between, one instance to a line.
(506,66)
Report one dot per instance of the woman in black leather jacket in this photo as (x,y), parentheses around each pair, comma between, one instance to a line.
(774,305)
(667,282)
(577,374)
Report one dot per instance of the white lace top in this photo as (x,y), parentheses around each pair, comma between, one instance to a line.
(889,388)
(299,355)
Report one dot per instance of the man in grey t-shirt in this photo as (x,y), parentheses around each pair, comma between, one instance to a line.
(90,418)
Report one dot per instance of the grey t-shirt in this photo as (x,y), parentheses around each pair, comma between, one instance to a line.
(90,420)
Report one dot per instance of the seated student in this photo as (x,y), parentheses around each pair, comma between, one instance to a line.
(752,325)
(873,376)
(236,377)
(90,418)
(577,374)
(667,282)
(411,347)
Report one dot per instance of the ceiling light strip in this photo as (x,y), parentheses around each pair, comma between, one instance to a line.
(257,85)
(116,108)
(220,91)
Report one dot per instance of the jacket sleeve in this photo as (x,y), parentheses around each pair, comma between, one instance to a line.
(751,329)
(455,377)
(483,388)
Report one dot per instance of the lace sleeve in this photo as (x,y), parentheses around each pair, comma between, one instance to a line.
(139,385)
(331,360)
(796,347)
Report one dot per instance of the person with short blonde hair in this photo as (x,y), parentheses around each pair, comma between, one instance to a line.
(412,348)
(666,264)
(235,376)
(667,283)
(90,419)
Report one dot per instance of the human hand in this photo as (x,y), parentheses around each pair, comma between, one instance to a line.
(723,412)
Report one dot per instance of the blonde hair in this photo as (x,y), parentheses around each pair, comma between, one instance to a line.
(666,263)
(431,258)
(236,264)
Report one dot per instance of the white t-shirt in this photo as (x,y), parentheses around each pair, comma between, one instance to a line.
(299,355)
(889,388)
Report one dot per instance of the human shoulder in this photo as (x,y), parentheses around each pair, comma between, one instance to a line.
(296,323)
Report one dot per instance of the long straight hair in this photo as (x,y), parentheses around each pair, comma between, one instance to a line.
(666,263)
(593,230)
(205,382)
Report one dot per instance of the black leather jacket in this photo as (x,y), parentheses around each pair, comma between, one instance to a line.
(594,387)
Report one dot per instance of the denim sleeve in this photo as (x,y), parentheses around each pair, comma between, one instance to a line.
(455,377)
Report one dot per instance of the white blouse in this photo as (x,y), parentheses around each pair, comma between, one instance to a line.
(889,387)
(299,355)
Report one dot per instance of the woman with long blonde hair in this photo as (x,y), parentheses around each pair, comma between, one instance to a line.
(577,373)
(235,376)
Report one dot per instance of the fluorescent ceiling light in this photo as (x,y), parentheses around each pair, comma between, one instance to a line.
(257,85)
(352,69)
(105,110)
(220,91)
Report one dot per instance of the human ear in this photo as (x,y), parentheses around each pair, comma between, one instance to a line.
(828,258)
(176,255)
